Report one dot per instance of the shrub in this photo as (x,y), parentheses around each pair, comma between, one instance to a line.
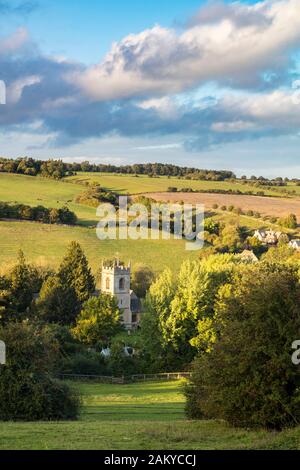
(289,222)
(27,389)
(96,195)
(84,363)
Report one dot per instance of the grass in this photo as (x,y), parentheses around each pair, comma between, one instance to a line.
(34,191)
(140,416)
(130,184)
(47,244)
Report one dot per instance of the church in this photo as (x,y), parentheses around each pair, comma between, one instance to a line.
(116,280)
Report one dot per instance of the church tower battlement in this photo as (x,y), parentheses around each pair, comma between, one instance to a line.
(115,280)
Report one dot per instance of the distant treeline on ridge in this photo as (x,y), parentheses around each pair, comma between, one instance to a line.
(57,169)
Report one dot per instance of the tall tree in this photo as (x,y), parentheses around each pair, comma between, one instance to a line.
(24,282)
(75,272)
(57,302)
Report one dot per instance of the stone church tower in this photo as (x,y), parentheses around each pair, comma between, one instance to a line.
(115,280)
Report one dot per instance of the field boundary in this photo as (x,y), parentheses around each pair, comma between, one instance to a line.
(168,376)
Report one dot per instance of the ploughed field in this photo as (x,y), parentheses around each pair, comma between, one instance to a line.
(278,207)
(147,416)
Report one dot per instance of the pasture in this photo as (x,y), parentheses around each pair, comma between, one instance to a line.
(131,184)
(47,244)
(35,191)
(139,416)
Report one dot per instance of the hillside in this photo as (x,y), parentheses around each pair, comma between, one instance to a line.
(46,243)
(131,184)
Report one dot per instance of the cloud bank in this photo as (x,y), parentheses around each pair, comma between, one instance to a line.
(159,82)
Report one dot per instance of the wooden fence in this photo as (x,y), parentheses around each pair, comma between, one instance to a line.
(127,379)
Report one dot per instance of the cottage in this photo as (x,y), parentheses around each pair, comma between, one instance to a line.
(260,235)
(295,244)
(268,237)
(249,256)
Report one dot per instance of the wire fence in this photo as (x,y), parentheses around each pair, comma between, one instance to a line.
(168,376)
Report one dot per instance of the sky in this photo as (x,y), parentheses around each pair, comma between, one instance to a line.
(210,84)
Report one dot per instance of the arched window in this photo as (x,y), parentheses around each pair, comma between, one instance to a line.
(122,283)
(107,283)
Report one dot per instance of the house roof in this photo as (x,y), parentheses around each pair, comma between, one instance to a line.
(248,255)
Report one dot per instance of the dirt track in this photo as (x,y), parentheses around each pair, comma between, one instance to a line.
(278,207)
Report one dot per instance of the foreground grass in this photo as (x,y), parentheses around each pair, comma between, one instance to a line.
(139,416)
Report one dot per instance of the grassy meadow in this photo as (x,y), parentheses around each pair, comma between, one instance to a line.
(47,244)
(131,184)
(139,416)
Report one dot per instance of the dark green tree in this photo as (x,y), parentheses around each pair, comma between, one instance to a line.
(24,282)
(142,279)
(74,272)
(27,388)
(57,302)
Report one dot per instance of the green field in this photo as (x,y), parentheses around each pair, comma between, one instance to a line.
(35,191)
(47,244)
(140,416)
(130,184)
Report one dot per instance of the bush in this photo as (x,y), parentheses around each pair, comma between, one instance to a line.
(96,195)
(84,363)
(289,222)
(27,388)
(249,379)
(32,397)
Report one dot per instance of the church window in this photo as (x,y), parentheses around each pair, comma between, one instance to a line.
(122,283)
(107,283)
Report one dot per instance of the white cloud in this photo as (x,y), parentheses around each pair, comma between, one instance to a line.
(241,42)
(15,41)
(15,90)
(233,126)
(277,109)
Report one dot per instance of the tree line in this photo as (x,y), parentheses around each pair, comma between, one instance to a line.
(41,214)
(57,169)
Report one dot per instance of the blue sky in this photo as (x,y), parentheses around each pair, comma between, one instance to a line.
(207,84)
